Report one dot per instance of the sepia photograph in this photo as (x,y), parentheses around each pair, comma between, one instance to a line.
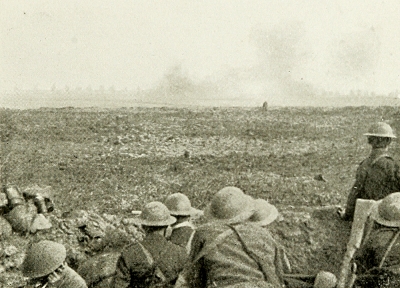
(199,144)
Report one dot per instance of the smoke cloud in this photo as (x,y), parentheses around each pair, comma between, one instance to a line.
(283,53)
(355,58)
(288,70)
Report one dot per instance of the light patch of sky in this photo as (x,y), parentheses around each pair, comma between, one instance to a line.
(133,43)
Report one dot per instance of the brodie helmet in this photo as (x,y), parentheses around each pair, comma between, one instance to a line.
(156,214)
(380,129)
(179,204)
(42,258)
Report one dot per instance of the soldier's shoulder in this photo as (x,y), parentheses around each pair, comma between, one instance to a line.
(73,279)
(175,251)
(131,250)
(181,233)
(386,157)
(256,230)
(183,229)
(207,227)
(384,160)
(363,163)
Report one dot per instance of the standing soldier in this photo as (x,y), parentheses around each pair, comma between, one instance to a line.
(378,175)
(155,261)
(265,106)
(45,265)
(183,229)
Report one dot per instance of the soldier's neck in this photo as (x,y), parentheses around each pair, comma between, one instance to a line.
(376,151)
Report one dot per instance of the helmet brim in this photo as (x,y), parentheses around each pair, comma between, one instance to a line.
(31,269)
(272,215)
(242,217)
(380,135)
(171,220)
(191,212)
(378,218)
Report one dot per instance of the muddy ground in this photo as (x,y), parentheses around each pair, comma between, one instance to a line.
(108,162)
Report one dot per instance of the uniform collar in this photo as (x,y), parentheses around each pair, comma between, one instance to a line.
(378,152)
(154,237)
(183,224)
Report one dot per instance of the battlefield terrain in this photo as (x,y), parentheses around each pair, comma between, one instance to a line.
(112,161)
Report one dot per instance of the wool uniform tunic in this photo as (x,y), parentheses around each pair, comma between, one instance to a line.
(377,176)
(374,248)
(229,265)
(182,235)
(371,253)
(133,267)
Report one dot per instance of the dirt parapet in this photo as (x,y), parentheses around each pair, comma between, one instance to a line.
(315,238)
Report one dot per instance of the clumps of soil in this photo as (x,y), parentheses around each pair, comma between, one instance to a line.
(84,234)
(314,238)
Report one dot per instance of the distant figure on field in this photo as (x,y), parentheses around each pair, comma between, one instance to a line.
(155,261)
(378,175)
(183,229)
(265,106)
(378,259)
(45,265)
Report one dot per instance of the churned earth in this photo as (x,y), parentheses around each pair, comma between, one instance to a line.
(314,238)
(101,164)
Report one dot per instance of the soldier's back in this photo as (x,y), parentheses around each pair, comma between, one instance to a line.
(382,178)
(182,236)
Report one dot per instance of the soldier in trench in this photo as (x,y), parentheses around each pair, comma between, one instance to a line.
(183,229)
(378,175)
(154,261)
(45,265)
(378,259)
(234,249)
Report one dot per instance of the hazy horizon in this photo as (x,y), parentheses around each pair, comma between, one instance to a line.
(172,51)
(130,99)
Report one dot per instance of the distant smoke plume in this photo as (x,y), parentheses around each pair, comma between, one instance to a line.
(176,87)
(355,56)
(287,70)
(283,53)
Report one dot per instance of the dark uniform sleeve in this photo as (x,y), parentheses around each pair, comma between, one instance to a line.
(131,271)
(364,257)
(356,192)
(122,276)
(397,175)
(195,275)
(70,279)
(392,172)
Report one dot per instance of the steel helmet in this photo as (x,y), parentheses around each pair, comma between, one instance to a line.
(179,205)
(265,213)
(380,129)
(156,214)
(230,205)
(387,211)
(42,258)
(325,279)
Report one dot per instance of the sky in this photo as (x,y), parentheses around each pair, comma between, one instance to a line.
(252,46)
